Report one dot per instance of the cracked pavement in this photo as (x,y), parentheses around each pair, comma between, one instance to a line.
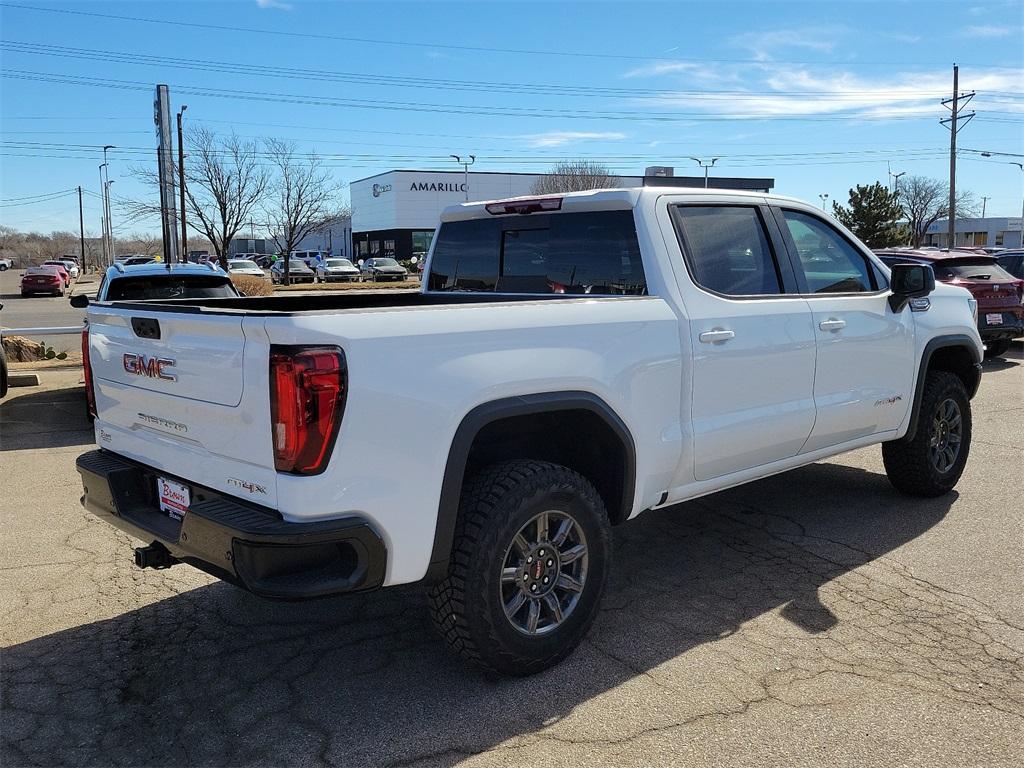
(814,618)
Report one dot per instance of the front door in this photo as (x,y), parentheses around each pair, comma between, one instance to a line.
(863,379)
(753,345)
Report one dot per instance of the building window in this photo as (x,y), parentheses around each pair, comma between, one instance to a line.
(363,248)
(421,241)
(374,248)
(389,248)
(999,237)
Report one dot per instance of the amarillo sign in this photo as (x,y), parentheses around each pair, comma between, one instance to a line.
(436,186)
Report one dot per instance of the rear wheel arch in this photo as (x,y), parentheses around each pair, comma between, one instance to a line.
(601,449)
(954,353)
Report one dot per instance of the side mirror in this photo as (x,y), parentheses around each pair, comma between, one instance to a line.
(79,301)
(909,281)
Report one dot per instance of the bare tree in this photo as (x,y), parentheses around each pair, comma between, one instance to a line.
(925,201)
(224,182)
(575,176)
(302,198)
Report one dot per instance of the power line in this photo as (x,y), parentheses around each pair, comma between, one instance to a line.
(376,80)
(234,30)
(456,109)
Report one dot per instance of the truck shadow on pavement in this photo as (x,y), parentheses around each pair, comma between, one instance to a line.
(50,418)
(714,605)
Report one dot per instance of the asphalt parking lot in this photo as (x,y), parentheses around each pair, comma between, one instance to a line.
(815,618)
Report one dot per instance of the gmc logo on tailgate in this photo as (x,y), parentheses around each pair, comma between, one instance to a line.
(153,367)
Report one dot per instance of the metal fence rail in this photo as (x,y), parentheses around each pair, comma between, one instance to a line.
(59,330)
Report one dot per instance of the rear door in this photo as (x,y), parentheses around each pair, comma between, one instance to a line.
(865,361)
(753,345)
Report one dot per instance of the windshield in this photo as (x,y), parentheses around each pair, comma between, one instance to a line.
(296,264)
(976,269)
(385,263)
(240,264)
(338,263)
(170,287)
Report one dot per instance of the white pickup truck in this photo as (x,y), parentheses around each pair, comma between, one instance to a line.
(570,362)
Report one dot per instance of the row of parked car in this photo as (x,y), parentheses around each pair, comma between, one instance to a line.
(996,280)
(52,277)
(323,270)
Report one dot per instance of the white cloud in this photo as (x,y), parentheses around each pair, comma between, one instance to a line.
(773,90)
(562,138)
(988,30)
(278,4)
(764,45)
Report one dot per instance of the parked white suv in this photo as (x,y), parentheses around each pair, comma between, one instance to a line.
(570,362)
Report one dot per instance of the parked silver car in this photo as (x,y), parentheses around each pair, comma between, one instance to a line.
(298,272)
(330,270)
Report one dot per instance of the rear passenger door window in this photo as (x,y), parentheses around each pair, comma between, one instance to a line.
(727,249)
(830,263)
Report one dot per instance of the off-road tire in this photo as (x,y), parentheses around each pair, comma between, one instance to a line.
(908,463)
(467,606)
(996,348)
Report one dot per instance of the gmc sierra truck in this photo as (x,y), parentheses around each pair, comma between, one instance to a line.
(570,362)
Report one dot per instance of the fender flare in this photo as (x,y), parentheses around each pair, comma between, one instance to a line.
(939,342)
(486,413)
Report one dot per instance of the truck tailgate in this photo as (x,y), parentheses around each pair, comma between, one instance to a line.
(171,392)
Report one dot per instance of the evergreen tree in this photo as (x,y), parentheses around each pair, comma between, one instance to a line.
(873,215)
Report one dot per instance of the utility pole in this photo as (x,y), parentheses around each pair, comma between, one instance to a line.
(706,168)
(81,228)
(896,181)
(108,233)
(103,217)
(465,164)
(824,197)
(181,185)
(954,105)
(984,202)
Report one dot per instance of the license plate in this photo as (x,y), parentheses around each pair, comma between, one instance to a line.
(994,319)
(174,497)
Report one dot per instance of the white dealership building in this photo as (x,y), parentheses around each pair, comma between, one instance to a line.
(394,213)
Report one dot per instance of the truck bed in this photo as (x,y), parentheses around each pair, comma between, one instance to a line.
(350,300)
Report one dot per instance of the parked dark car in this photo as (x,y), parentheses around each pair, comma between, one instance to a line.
(298,272)
(1000,295)
(46,279)
(1012,262)
(380,269)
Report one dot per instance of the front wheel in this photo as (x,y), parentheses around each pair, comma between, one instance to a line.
(528,568)
(931,463)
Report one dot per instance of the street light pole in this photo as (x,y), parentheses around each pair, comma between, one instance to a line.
(465,164)
(706,168)
(109,232)
(103,216)
(1021,167)
(181,185)
(824,197)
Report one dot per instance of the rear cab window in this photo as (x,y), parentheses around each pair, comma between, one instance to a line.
(143,288)
(592,252)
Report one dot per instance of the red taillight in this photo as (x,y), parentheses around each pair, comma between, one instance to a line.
(90,395)
(307,399)
(525,206)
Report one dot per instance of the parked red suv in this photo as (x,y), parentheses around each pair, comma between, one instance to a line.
(1000,295)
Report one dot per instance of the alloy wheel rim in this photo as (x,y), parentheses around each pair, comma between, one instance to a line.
(544,572)
(947,435)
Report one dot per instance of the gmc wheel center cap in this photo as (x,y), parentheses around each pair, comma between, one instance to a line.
(538,573)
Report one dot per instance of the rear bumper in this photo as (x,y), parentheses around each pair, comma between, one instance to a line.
(1011,327)
(245,544)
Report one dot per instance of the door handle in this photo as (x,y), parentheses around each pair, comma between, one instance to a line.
(832,324)
(713,337)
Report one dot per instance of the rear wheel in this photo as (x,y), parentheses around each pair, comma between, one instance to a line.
(931,463)
(528,568)
(996,348)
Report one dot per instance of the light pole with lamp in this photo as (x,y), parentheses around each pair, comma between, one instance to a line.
(181,186)
(109,232)
(465,164)
(1021,166)
(706,167)
(824,197)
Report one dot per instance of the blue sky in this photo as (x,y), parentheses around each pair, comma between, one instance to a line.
(819,95)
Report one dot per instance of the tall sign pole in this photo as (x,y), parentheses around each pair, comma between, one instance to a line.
(165,165)
(81,229)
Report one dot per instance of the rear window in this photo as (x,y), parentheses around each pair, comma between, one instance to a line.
(594,252)
(170,287)
(975,269)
